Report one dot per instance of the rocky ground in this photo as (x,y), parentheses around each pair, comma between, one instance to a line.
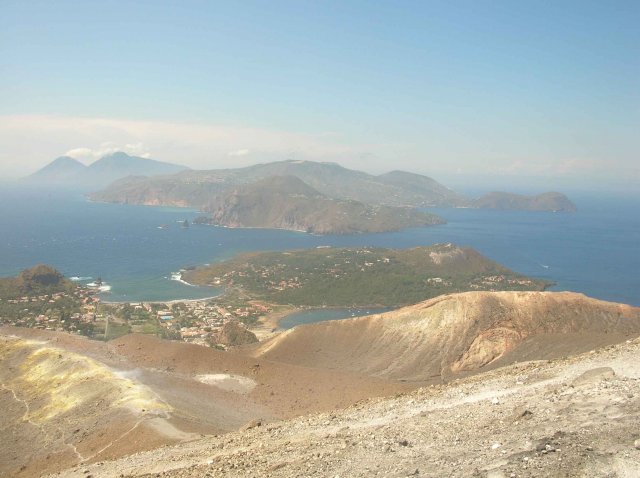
(573,417)
(521,384)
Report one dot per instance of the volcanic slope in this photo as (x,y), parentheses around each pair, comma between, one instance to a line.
(69,401)
(457,334)
(72,403)
(573,417)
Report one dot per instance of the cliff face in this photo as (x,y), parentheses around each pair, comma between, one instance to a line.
(457,334)
(286,202)
(550,201)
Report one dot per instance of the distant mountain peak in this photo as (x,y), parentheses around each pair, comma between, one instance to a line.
(66,160)
(117,154)
(69,172)
(58,171)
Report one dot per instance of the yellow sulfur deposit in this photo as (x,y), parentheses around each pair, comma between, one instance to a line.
(52,382)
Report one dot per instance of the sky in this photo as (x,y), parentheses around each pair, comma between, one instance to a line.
(534,93)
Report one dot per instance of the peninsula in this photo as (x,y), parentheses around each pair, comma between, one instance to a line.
(339,277)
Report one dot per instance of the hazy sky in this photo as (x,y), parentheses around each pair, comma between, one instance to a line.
(484,89)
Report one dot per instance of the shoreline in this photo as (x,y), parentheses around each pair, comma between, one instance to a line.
(172,301)
(267,326)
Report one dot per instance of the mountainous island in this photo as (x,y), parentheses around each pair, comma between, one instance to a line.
(69,172)
(120,178)
(286,202)
(198,188)
(361,276)
(551,201)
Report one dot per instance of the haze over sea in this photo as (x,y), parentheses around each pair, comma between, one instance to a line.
(595,251)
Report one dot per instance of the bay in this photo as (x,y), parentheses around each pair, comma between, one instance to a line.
(595,251)
(321,315)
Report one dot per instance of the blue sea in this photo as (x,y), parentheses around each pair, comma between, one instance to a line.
(595,251)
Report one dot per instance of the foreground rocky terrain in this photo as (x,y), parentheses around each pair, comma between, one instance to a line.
(68,400)
(575,417)
(473,384)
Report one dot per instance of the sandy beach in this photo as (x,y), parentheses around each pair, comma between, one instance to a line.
(269,323)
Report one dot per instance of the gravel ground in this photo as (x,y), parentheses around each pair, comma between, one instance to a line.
(576,417)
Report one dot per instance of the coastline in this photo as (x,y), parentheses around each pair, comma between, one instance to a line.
(172,301)
(267,326)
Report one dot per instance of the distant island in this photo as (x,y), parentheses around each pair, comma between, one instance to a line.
(551,201)
(286,202)
(69,172)
(198,188)
(348,277)
(120,178)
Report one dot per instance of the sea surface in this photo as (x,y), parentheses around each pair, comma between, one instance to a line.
(321,315)
(137,250)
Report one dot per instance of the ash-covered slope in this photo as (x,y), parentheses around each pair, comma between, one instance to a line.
(64,408)
(286,202)
(68,401)
(573,417)
(457,334)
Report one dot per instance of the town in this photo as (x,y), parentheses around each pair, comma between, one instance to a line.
(80,311)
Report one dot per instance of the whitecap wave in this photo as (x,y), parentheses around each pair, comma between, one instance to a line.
(102,287)
(177,276)
(78,279)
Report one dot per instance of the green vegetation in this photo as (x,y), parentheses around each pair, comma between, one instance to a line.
(40,297)
(362,277)
(38,280)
